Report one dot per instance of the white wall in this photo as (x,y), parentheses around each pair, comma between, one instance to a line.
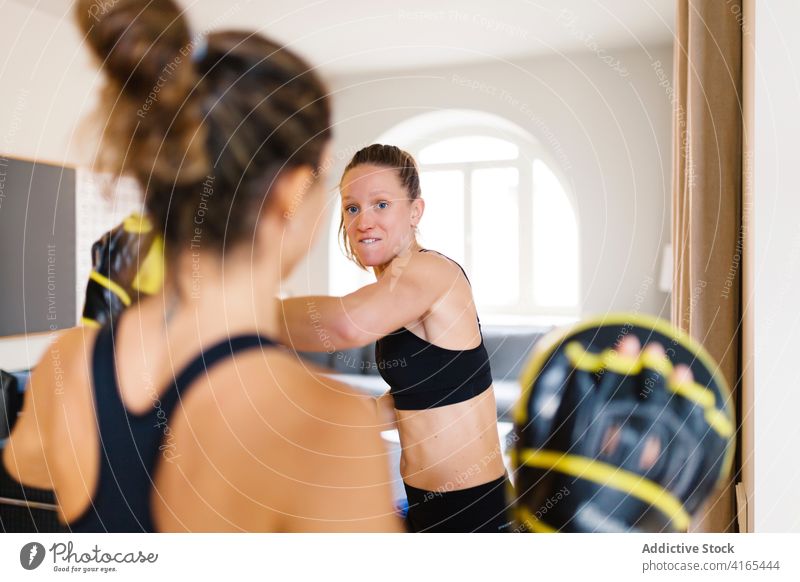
(776,273)
(48,84)
(609,133)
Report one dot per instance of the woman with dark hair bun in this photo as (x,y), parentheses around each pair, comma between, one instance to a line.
(429,348)
(182,414)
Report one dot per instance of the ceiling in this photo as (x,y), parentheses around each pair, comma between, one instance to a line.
(351,36)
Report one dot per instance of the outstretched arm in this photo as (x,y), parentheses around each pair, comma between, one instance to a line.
(308,323)
(321,323)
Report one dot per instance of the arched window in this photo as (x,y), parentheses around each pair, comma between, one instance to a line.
(495,203)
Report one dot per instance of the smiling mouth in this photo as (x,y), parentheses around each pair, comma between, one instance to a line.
(368,241)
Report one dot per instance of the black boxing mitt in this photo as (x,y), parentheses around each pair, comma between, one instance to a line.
(608,443)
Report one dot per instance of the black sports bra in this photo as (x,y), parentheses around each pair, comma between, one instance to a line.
(422,375)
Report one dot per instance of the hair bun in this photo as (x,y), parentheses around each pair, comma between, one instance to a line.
(138,43)
(144,48)
(174,102)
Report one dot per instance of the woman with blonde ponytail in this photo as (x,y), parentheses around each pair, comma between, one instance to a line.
(182,413)
(428,348)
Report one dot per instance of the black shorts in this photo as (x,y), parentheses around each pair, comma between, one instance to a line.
(477,509)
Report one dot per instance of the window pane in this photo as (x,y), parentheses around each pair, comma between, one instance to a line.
(555,241)
(442,224)
(349,277)
(495,236)
(473,148)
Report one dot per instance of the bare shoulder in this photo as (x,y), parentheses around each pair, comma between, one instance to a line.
(324,465)
(312,395)
(65,360)
(427,268)
(74,344)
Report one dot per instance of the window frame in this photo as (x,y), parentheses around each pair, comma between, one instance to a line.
(529,151)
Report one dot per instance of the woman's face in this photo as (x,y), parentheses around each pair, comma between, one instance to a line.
(379,218)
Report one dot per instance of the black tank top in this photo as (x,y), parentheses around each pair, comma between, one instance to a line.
(422,375)
(131,445)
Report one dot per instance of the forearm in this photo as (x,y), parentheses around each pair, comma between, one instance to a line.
(312,323)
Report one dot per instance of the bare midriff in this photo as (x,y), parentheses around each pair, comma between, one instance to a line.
(451,447)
